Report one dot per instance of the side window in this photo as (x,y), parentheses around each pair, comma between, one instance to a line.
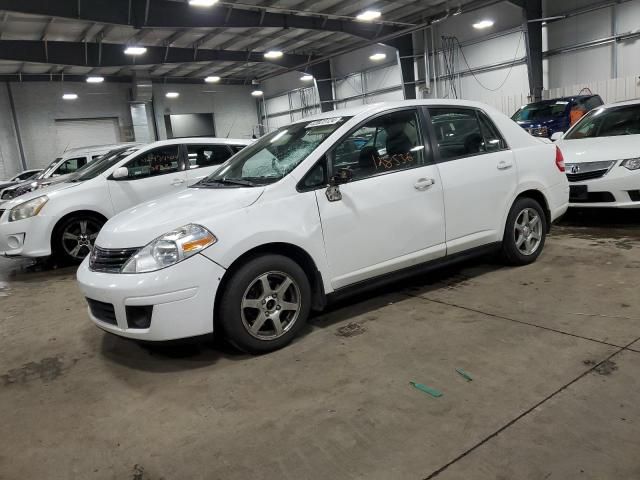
(316,177)
(493,141)
(155,162)
(458,132)
(207,155)
(386,143)
(237,148)
(70,166)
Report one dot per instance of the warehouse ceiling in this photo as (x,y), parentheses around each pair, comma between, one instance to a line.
(41,38)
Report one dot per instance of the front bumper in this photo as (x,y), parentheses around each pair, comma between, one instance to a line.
(182,297)
(30,237)
(619,188)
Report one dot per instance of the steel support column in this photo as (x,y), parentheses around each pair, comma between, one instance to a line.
(406,54)
(532,10)
(322,74)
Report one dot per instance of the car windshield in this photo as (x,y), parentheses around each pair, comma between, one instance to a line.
(101,165)
(273,156)
(607,122)
(48,169)
(541,111)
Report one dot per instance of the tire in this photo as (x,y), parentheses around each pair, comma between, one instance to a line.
(524,236)
(258,312)
(85,229)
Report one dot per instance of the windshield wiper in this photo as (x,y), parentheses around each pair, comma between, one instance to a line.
(230,181)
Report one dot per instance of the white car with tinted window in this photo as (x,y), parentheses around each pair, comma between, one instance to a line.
(319,209)
(602,152)
(65,219)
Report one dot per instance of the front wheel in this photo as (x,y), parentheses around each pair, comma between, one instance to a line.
(525,232)
(74,238)
(265,304)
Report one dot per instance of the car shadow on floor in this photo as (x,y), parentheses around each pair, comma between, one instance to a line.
(602,220)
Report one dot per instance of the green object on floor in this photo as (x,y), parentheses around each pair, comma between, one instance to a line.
(464,374)
(424,388)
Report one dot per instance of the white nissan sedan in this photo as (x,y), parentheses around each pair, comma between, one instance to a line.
(602,152)
(321,208)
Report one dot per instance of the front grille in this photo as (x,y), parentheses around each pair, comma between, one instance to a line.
(595,197)
(578,172)
(110,260)
(102,311)
(579,177)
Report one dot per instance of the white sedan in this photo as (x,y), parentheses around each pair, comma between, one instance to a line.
(65,219)
(319,209)
(602,154)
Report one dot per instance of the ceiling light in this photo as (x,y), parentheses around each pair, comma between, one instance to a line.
(273,54)
(212,79)
(95,79)
(202,3)
(135,50)
(483,24)
(257,93)
(172,95)
(376,57)
(69,96)
(369,15)
(306,77)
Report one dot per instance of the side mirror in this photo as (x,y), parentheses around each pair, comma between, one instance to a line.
(343,175)
(557,136)
(121,172)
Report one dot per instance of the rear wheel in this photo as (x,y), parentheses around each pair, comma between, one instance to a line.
(265,304)
(525,232)
(74,238)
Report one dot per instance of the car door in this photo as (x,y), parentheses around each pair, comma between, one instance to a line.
(152,173)
(391,214)
(204,159)
(478,175)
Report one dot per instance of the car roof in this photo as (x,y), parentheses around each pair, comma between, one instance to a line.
(96,148)
(625,103)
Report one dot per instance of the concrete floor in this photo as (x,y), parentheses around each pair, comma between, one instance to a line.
(553,348)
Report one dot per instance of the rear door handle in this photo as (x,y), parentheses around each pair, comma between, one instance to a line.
(423,184)
(504,164)
(177,181)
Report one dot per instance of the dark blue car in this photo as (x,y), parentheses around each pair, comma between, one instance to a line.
(543,119)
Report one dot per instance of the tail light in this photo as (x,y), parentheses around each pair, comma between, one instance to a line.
(559,159)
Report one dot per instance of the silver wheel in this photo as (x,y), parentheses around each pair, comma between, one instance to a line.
(79,236)
(270,305)
(528,231)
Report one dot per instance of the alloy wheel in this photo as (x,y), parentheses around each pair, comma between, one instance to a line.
(270,305)
(528,230)
(79,237)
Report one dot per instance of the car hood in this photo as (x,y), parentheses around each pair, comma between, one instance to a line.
(51,191)
(138,226)
(598,149)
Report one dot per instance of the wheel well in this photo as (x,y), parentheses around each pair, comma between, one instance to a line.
(299,255)
(539,197)
(74,214)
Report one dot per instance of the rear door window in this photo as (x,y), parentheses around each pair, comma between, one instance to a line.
(458,132)
(159,161)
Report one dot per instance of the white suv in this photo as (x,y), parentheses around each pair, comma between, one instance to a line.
(65,219)
(321,208)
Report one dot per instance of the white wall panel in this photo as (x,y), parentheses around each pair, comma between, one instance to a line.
(585,65)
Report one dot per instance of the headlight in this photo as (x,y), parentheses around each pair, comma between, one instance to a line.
(28,209)
(631,163)
(170,248)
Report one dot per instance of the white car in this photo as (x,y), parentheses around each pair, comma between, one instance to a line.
(319,209)
(602,152)
(60,169)
(65,219)
(20,177)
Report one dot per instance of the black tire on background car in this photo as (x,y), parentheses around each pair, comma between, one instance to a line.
(525,232)
(74,237)
(265,304)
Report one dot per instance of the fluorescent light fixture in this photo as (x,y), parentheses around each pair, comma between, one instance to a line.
(212,79)
(306,77)
(376,57)
(94,79)
(172,95)
(273,54)
(135,50)
(369,15)
(483,24)
(70,96)
(257,93)
(202,3)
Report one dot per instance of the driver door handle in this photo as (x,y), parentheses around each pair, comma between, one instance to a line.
(423,184)
(177,181)
(504,164)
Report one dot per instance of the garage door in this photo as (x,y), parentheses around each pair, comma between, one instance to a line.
(86,132)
